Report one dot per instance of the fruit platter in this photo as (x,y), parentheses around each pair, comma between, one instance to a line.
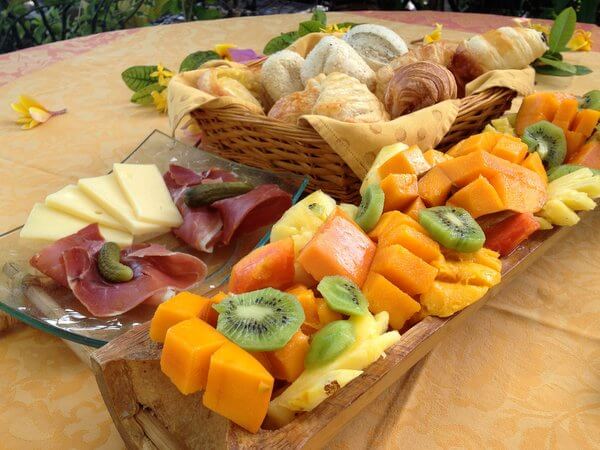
(344,298)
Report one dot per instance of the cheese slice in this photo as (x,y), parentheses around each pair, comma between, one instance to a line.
(147,193)
(49,224)
(73,201)
(107,193)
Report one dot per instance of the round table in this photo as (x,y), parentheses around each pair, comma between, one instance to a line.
(523,372)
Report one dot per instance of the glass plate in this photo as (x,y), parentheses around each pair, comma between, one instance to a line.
(39,302)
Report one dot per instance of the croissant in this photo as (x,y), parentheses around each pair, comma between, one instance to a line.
(235,82)
(418,85)
(281,74)
(289,108)
(376,44)
(439,52)
(504,48)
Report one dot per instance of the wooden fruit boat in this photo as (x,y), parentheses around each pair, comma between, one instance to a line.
(149,411)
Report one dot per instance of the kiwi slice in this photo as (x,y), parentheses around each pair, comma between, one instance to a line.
(343,295)
(548,140)
(329,342)
(109,265)
(590,100)
(370,208)
(260,320)
(452,227)
(565,169)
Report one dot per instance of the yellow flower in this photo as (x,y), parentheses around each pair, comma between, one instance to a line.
(334,28)
(223,50)
(435,35)
(581,41)
(160,100)
(162,74)
(32,113)
(192,129)
(541,28)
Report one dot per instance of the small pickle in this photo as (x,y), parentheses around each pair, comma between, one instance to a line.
(110,267)
(206,194)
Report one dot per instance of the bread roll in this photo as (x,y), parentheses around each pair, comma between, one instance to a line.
(376,44)
(504,48)
(290,107)
(280,74)
(418,85)
(334,55)
(439,52)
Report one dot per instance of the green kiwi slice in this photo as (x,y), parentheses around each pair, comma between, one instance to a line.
(548,140)
(109,265)
(260,320)
(370,208)
(565,169)
(343,295)
(590,100)
(452,227)
(328,343)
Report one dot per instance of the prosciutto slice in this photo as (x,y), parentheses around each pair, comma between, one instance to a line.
(155,268)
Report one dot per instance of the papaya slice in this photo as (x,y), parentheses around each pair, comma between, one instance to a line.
(434,157)
(404,269)
(574,142)
(413,209)
(385,296)
(520,194)
(536,107)
(393,219)
(510,148)
(565,114)
(434,187)
(506,235)
(588,155)
(400,190)
(287,363)
(307,299)
(410,160)
(478,197)
(326,314)
(586,121)
(534,162)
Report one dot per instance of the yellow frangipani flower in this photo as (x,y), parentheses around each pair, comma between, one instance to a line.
(334,28)
(581,41)
(435,35)
(192,129)
(160,100)
(223,50)
(162,74)
(32,113)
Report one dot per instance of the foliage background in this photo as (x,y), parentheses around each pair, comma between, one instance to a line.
(25,23)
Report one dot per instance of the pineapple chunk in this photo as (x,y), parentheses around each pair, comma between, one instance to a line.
(582,180)
(350,210)
(557,213)
(503,125)
(544,223)
(577,201)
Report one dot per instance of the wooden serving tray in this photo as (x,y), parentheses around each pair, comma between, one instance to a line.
(149,411)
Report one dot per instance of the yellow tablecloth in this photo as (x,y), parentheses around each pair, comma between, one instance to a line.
(523,373)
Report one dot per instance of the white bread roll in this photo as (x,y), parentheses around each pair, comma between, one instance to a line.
(376,44)
(280,74)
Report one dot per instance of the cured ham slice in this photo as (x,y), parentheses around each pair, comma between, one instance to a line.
(155,269)
(200,229)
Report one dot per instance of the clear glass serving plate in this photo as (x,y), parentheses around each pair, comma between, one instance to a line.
(41,303)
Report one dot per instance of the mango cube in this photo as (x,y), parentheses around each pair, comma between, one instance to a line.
(238,387)
(186,354)
(184,305)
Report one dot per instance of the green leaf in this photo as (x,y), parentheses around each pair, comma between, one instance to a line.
(138,77)
(280,42)
(143,96)
(196,59)
(582,70)
(562,30)
(310,26)
(556,56)
(319,16)
(560,65)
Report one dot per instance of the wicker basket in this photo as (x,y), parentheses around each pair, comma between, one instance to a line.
(238,135)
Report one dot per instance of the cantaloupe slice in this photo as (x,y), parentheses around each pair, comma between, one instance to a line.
(238,387)
(182,306)
(434,187)
(588,155)
(269,266)
(339,247)
(574,142)
(287,363)
(413,209)
(510,148)
(484,256)
(565,114)
(407,271)
(536,107)
(520,194)
(326,314)
(385,296)
(434,157)
(400,190)
(467,272)
(479,142)
(416,242)
(213,315)
(307,299)
(394,219)
(478,197)
(410,160)
(585,122)
(186,354)
(534,162)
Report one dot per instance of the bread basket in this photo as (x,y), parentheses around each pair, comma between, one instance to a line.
(256,140)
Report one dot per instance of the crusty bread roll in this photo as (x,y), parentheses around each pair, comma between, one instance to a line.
(439,52)
(280,74)
(336,95)
(418,85)
(376,44)
(334,55)
(504,48)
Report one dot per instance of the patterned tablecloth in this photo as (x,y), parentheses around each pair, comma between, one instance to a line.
(523,373)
